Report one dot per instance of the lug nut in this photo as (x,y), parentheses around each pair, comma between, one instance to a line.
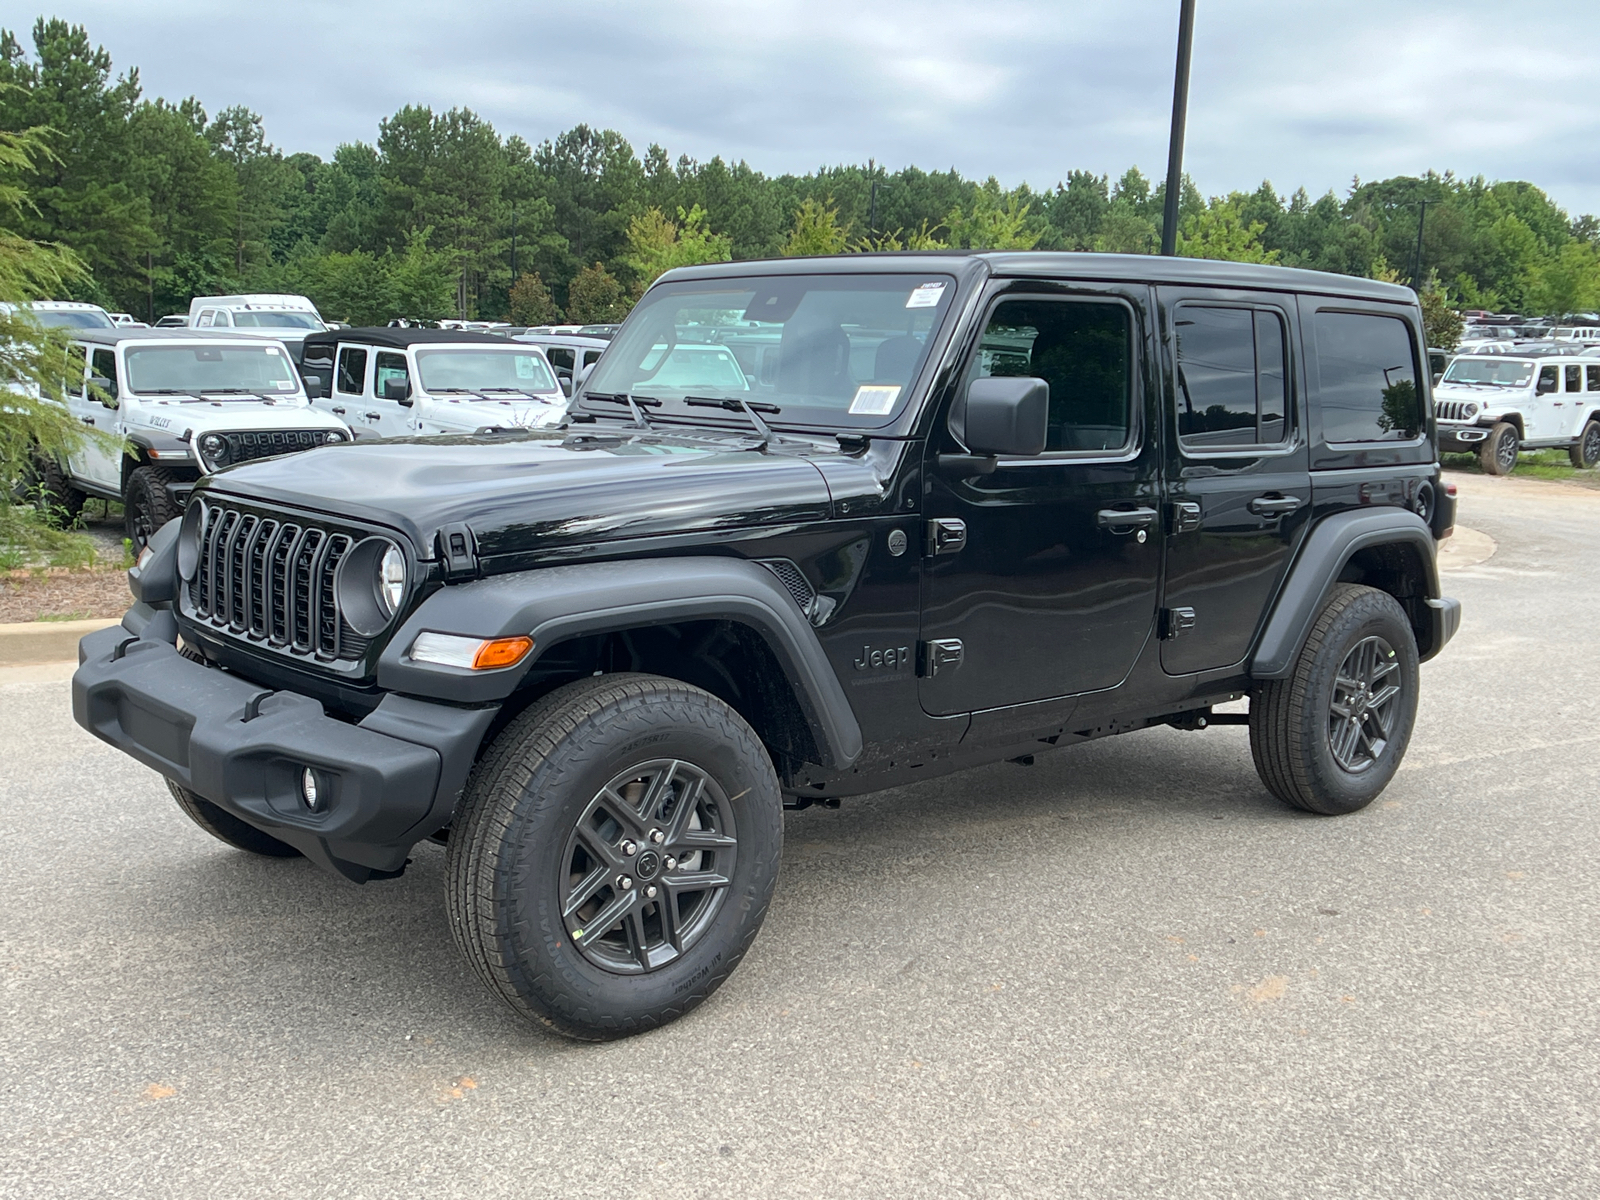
(630,848)
(657,836)
(672,863)
(625,882)
(650,892)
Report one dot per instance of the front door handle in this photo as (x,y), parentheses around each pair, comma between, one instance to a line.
(1126,520)
(1275,505)
(339,411)
(372,416)
(87,420)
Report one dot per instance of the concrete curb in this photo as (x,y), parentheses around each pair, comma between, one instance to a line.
(26,642)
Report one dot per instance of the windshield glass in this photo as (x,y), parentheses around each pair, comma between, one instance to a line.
(1502,372)
(259,370)
(837,349)
(489,370)
(73,318)
(276,320)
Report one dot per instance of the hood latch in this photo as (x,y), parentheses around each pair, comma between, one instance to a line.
(458,551)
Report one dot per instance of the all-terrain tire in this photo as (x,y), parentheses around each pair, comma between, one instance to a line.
(1585,452)
(510,852)
(226,827)
(45,485)
(1292,720)
(147,504)
(1498,454)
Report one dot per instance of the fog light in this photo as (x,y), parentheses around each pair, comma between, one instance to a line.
(308,790)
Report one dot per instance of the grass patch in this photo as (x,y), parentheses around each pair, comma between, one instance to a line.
(1531,464)
(28,540)
(80,615)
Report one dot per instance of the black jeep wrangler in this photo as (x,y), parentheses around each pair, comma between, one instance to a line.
(813,528)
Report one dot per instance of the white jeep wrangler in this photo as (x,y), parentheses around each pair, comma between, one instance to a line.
(1498,405)
(186,403)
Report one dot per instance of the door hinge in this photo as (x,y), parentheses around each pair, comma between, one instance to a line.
(1175,622)
(940,654)
(1185,516)
(458,551)
(946,535)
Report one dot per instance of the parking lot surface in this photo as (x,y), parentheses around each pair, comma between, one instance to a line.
(1126,971)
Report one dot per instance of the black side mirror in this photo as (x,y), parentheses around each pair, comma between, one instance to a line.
(1546,386)
(108,386)
(566,384)
(313,383)
(1007,416)
(398,390)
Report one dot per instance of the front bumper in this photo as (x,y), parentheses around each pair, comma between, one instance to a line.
(391,780)
(1461,438)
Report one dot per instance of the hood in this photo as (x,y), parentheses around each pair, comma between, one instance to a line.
(539,492)
(229,416)
(501,414)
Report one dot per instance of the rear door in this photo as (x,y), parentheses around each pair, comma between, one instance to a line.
(1040,579)
(1240,485)
(352,386)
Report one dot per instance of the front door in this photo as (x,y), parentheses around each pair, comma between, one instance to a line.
(1240,491)
(95,460)
(352,381)
(390,377)
(1040,578)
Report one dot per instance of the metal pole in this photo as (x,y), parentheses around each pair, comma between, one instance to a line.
(1416,259)
(513,243)
(1180,112)
(872,217)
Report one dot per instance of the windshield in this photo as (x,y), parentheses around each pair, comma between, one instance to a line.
(1502,372)
(263,370)
(493,371)
(276,320)
(838,349)
(73,318)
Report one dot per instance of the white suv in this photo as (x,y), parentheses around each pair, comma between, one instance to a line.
(395,382)
(186,403)
(1497,405)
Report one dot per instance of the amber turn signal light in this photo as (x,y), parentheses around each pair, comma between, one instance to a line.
(502,652)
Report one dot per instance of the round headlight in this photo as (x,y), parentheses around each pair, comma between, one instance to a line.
(1472,410)
(194,523)
(214,446)
(333,436)
(391,580)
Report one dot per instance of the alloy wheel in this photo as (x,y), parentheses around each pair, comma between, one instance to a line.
(1591,443)
(1366,695)
(648,866)
(1505,452)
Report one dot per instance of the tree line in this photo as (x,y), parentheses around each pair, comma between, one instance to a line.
(442,216)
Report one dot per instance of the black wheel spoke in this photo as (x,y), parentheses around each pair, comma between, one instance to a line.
(607,917)
(599,849)
(671,926)
(586,890)
(625,811)
(695,881)
(638,942)
(683,813)
(1362,704)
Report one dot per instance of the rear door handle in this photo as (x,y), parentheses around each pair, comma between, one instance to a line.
(372,416)
(1126,520)
(87,420)
(1275,506)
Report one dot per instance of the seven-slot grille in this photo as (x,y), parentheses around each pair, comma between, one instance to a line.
(242,447)
(1454,410)
(270,580)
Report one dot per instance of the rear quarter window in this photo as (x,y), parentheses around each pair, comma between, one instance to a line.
(1368,387)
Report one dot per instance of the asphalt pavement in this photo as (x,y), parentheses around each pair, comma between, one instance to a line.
(1125,971)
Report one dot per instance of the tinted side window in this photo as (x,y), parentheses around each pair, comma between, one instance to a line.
(1232,376)
(1574,379)
(1549,380)
(1593,376)
(590,357)
(105,364)
(1083,350)
(352,370)
(560,357)
(76,369)
(1367,377)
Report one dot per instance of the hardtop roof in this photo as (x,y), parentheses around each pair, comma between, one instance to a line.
(1063,264)
(399,337)
(172,333)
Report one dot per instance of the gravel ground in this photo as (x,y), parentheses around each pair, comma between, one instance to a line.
(1124,972)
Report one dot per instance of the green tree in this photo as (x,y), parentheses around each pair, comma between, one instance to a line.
(532,303)
(994,221)
(1441,324)
(1566,282)
(657,244)
(1221,233)
(595,297)
(816,230)
(263,184)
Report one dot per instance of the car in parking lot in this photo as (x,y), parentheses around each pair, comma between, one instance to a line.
(176,405)
(1496,406)
(953,510)
(71,314)
(572,355)
(395,382)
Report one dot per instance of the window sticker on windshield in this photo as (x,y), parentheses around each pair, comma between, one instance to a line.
(875,399)
(925,295)
(283,385)
(525,368)
(274,350)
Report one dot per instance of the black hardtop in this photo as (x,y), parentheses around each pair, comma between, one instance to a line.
(1063,264)
(113,337)
(398,337)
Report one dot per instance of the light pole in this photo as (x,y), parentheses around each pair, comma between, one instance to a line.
(1180,112)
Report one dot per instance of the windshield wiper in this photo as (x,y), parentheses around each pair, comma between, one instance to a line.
(739,404)
(438,391)
(516,392)
(635,403)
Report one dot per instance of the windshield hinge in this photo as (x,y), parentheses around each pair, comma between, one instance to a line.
(458,551)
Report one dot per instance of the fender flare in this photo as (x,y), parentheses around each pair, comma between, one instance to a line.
(1323,555)
(554,604)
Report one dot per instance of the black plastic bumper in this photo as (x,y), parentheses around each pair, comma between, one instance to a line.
(383,784)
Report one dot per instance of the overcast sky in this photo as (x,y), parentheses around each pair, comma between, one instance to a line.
(1298,93)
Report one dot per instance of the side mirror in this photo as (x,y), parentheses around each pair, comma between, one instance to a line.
(398,390)
(313,383)
(1006,416)
(109,386)
(566,385)
(1546,386)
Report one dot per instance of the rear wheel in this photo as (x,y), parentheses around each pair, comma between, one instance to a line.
(45,485)
(1330,737)
(1498,454)
(148,505)
(1585,452)
(615,854)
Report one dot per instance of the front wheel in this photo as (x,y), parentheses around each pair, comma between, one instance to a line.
(1330,737)
(148,504)
(226,827)
(1498,454)
(45,485)
(615,854)
(1585,452)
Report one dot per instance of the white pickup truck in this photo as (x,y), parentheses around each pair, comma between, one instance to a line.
(1497,405)
(185,402)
